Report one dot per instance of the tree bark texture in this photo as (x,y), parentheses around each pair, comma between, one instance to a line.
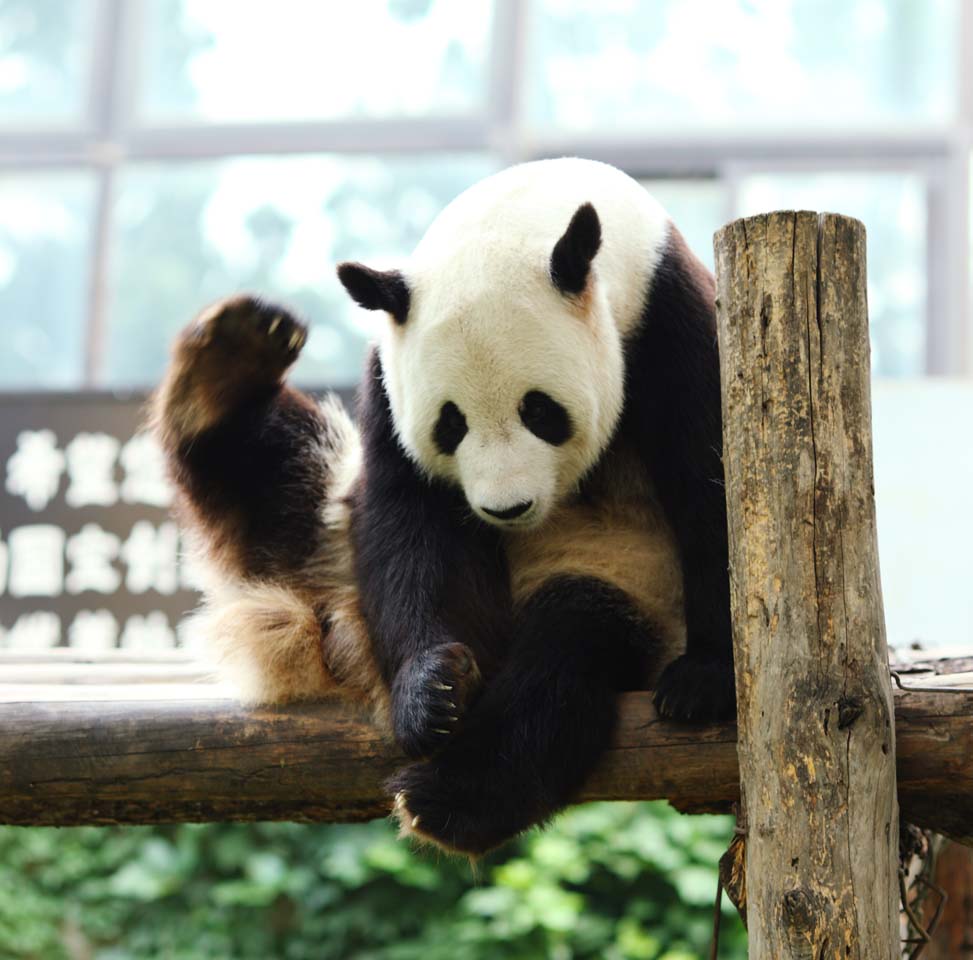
(168,760)
(815,717)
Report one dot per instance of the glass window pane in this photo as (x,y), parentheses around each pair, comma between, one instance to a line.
(44,60)
(893,208)
(597,64)
(697,207)
(188,234)
(45,250)
(210,59)
(922,482)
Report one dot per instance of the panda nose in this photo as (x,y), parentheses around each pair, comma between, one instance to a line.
(511,513)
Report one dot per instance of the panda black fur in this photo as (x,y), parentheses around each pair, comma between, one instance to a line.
(528,519)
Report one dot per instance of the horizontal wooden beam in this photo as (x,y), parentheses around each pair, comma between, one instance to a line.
(84,761)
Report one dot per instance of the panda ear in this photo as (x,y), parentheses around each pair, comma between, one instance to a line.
(573,253)
(376,289)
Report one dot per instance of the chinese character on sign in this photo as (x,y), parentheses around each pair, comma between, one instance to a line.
(36,560)
(34,470)
(91,465)
(33,631)
(90,553)
(93,631)
(148,634)
(152,558)
(145,473)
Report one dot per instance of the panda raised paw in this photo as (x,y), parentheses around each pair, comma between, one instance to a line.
(430,696)
(696,690)
(235,350)
(249,331)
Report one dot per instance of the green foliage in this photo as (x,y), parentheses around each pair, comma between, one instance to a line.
(613,881)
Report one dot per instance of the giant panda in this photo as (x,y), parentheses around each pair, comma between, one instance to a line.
(527,518)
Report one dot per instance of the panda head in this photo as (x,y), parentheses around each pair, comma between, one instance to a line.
(501,361)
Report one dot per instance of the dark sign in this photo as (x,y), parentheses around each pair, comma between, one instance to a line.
(89,555)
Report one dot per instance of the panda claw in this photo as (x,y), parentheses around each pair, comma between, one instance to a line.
(432,697)
(274,324)
(399,802)
(415,822)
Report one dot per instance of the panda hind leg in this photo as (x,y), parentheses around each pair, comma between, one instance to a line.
(539,728)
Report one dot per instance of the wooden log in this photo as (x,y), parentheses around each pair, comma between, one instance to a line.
(163,761)
(109,673)
(72,655)
(817,739)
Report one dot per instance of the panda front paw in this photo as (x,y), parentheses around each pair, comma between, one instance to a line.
(696,690)
(430,696)
(248,333)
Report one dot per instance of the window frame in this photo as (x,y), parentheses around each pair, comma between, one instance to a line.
(109,138)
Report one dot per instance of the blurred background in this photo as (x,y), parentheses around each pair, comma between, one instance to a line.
(158,154)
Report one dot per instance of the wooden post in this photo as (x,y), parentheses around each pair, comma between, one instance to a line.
(816,736)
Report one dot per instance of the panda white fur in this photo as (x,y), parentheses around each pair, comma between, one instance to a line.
(502,543)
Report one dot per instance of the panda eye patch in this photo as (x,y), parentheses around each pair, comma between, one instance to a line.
(545,418)
(450,428)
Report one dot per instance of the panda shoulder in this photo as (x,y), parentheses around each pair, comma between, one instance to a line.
(682,276)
